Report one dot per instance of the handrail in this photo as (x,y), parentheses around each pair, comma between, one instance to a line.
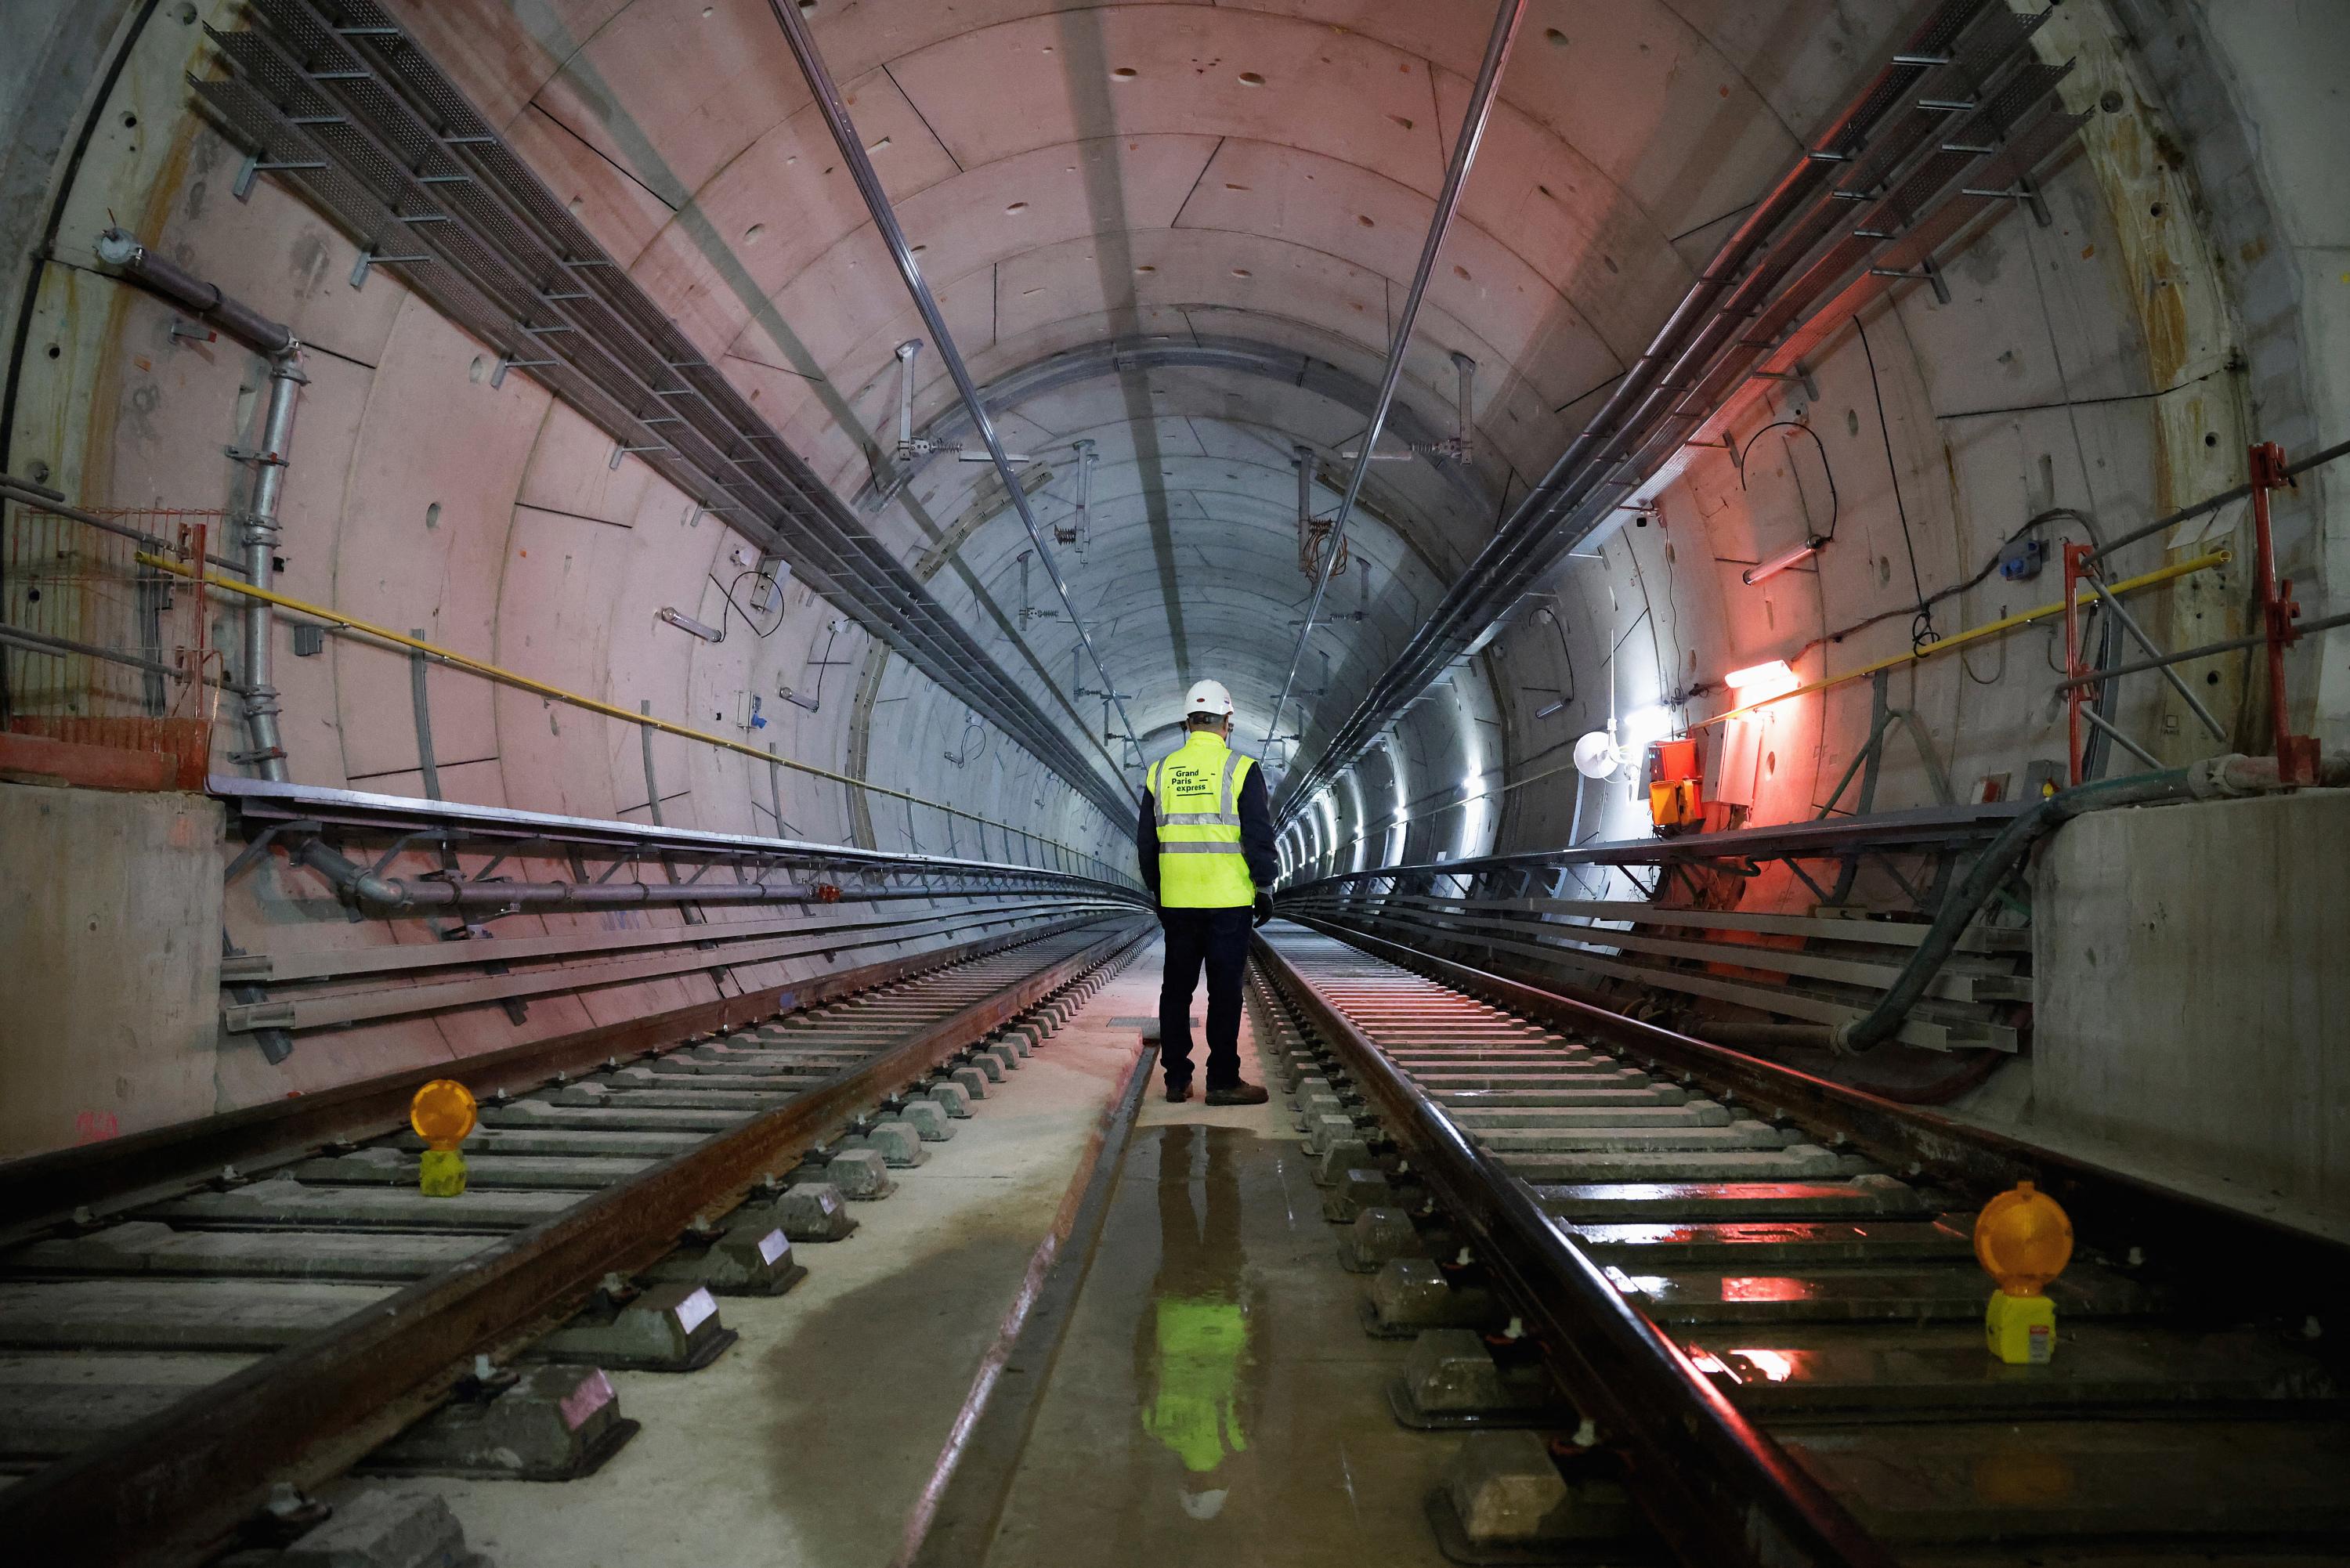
(2160,575)
(1955,640)
(337,620)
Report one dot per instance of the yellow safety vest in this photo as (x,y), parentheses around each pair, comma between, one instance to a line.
(1195,796)
(1195,1409)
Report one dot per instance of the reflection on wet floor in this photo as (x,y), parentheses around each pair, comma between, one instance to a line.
(1196,1365)
(1216,1400)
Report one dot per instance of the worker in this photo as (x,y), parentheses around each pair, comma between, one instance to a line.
(1206,844)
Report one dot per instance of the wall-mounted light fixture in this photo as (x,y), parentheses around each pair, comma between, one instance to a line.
(1779,563)
(686,623)
(1641,725)
(1760,682)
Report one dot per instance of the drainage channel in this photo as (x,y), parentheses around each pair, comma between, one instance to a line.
(1681,1323)
(177,1373)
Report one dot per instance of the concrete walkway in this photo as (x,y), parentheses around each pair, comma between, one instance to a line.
(808,1442)
(1216,1401)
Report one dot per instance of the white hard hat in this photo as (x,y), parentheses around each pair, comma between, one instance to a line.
(1208,697)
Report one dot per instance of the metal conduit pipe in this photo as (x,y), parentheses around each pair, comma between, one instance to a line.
(121,250)
(265,750)
(1506,17)
(2215,778)
(835,109)
(266,745)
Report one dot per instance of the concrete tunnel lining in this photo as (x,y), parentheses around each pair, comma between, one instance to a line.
(1189,205)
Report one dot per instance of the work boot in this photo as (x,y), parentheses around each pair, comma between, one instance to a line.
(1179,1092)
(1238,1095)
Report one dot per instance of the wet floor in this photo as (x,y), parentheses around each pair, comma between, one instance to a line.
(1216,1400)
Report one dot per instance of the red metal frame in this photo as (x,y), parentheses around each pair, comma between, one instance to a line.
(2078,569)
(194,538)
(2296,754)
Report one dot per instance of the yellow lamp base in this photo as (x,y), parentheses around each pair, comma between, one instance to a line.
(442,1174)
(2022,1329)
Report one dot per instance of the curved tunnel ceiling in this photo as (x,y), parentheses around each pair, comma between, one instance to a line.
(1169,179)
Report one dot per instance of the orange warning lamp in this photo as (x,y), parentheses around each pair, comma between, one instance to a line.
(1676,788)
(442,1113)
(2023,1240)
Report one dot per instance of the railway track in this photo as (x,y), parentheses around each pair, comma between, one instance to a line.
(172,1349)
(1748,1297)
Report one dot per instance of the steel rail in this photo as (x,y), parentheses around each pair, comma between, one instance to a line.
(1715,1485)
(174,1485)
(1925,828)
(1746,262)
(837,119)
(1506,17)
(298,1008)
(45,1188)
(349,808)
(2213,1248)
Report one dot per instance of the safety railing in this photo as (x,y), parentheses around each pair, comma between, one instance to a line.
(115,654)
(2085,589)
(95,648)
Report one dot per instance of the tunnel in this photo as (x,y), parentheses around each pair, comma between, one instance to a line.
(637,576)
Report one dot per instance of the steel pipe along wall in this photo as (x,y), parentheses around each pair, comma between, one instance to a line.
(1176,237)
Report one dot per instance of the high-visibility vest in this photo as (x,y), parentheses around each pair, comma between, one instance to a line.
(1195,1409)
(1195,796)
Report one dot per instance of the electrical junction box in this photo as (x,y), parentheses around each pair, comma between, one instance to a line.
(767,589)
(2021,561)
(1676,792)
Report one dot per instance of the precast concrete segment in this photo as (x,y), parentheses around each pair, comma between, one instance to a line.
(1815,1290)
(599,342)
(331,1247)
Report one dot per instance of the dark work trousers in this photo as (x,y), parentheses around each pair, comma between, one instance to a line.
(1219,939)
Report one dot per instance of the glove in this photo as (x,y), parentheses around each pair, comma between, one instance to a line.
(1263,908)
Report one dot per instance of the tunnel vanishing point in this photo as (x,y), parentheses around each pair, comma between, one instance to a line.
(1783,561)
